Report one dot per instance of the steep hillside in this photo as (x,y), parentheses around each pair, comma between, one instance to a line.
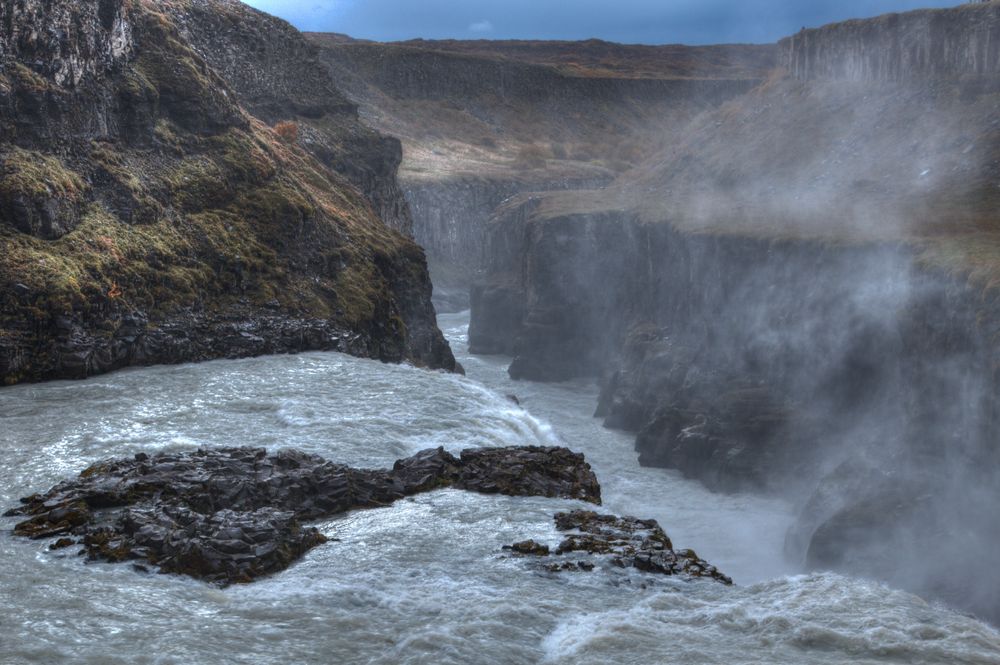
(483,121)
(799,296)
(146,217)
(278,77)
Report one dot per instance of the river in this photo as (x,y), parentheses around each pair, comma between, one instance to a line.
(425,580)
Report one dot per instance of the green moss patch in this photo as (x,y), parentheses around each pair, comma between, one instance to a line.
(35,176)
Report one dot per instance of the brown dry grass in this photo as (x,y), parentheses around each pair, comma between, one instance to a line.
(599,59)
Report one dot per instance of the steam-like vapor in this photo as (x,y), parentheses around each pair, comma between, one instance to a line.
(803,287)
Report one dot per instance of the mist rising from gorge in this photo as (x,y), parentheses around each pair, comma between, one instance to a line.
(796,297)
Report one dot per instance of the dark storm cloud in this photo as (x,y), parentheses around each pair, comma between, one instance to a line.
(647,21)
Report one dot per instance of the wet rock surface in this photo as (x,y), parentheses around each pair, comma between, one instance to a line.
(232,515)
(623,542)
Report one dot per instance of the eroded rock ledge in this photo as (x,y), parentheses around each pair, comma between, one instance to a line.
(232,515)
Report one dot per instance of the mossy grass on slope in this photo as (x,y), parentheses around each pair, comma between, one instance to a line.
(191,216)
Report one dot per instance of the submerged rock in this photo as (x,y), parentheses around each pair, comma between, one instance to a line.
(232,515)
(624,542)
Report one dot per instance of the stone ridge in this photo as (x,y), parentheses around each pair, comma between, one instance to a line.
(232,515)
(278,76)
(595,58)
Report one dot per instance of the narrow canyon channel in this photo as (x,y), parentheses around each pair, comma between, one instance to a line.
(425,580)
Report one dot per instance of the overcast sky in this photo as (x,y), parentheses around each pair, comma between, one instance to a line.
(630,21)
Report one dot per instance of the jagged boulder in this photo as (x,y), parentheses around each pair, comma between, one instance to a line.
(622,542)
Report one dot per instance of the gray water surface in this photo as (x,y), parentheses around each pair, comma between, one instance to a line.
(424,581)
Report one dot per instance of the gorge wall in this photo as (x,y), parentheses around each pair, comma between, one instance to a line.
(147,217)
(795,298)
(480,126)
(959,42)
(279,77)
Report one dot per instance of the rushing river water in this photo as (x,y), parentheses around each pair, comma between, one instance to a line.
(423,581)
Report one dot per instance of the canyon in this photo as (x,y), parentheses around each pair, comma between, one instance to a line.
(794,295)
(484,121)
(779,263)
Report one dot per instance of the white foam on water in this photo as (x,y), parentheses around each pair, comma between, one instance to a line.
(425,580)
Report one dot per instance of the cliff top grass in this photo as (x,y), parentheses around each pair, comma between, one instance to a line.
(595,58)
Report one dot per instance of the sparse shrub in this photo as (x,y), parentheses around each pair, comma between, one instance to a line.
(533,156)
(288,131)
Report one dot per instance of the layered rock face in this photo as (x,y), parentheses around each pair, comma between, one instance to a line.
(453,220)
(480,126)
(147,217)
(795,299)
(68,43)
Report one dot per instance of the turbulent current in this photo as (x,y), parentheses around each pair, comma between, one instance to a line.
(425,580)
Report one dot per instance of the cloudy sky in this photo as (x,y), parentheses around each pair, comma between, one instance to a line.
(633,21)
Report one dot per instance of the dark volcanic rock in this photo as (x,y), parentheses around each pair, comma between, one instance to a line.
(499,313)
(533,471)
(625,542)
(232,515)
(529,547)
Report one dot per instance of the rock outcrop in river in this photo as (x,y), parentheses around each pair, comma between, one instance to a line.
(232,515)
(798,296)
(620,542)
(181,181)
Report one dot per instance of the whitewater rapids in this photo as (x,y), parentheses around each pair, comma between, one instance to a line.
(424,581)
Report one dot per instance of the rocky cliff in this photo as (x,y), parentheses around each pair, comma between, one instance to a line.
(147,217)
(482,121)
(958,42)
(279,77)
(796,297)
